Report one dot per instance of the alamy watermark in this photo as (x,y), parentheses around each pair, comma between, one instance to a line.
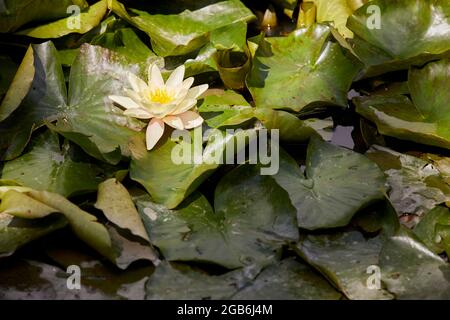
(74,21)
(74,280)
(232,146)
(374,19)
(374,280)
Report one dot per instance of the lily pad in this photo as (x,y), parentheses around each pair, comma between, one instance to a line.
(109,243)
(305,70)
(16,232)
(184,283)
(416,185)
(253,218)
(337,183)
(86,116)
(409,33)
(182,33)
(88,18)
(434,230)
(19,86)
(16,13)
(344,259)
(335,11)
(127,43)
(116,203)
(424,117)
(288,280)
(411,271)
(48,166)
(227,108)
(170,182)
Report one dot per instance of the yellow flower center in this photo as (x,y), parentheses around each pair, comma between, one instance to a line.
(160,95)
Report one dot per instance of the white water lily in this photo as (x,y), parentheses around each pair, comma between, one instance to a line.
(163,103)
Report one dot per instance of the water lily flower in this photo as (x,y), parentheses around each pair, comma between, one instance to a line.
(163,103)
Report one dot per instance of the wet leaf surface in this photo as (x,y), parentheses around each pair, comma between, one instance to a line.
(337,183)
(305,69)
(242,230)
(348,201)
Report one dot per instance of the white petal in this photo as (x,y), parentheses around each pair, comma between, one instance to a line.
(138,113)
(125,102)
(195,92)
(191,119)
(134,95)
(180,96)
(154,132)
(155,79)
(174,122)
(137,84)
(185,106)
(187,83)
(176,78)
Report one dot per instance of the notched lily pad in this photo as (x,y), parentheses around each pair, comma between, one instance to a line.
(85,116)
(305,70)
(252,220)
(337,183)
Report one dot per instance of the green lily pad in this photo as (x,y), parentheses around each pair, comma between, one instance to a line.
(337,183)
(16,232)
(305,70)
(344,259)
(208,59)
(379,218)
(169,183)
(48,166)
(424,117)
(88,18)
(127,43)
(184,283)
(86,116)
(410,33)
(252,220)
(182,33)
(230,37)
(411,271)
(227,108)
(288,280)
(115,35)
(19,86)
(16,13)
(292,128)
(434,230)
